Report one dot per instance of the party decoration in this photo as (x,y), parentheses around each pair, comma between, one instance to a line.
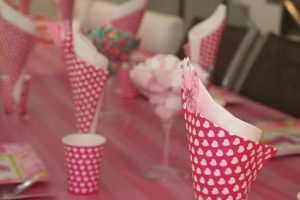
(88,76)
(17,40)
(225,153)
(204,39)
(115,44)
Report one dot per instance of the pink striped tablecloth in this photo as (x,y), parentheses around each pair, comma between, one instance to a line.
(130,147)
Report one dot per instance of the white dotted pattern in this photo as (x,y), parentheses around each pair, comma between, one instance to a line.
(131,21)
(83,168)
(87,84)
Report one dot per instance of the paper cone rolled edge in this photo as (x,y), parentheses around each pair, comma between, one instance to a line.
(265,151)
(17,18)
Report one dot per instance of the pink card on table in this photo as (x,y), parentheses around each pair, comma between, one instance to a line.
(19,162)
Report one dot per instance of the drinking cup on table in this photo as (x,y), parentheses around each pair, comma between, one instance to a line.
(84,153)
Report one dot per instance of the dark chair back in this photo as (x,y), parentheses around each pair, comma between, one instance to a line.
(274,78)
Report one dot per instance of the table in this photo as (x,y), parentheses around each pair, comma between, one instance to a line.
(129,148)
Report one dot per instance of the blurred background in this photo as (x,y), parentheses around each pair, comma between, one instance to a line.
(267,13)
(259,50)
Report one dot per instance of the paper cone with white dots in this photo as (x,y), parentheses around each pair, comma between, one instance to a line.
(204,39)
(17,40)
(225,155)
(129,15)
(88,76)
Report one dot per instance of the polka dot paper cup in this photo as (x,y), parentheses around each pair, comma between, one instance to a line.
(84,154)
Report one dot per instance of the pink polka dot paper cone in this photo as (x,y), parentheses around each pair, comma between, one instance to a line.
(128,90)
(64,8)
(17,40)
(129,15)
(226,157)
(204,39)
(84,153)
(88,76)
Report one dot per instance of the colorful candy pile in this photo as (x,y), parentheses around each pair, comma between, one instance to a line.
(113,43)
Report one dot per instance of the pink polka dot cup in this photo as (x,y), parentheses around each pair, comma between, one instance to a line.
(83,161)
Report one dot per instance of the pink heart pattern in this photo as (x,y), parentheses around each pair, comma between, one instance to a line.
(83,168)
(131,21)
(224,166)
(128,90)
(209,47)
(87,84)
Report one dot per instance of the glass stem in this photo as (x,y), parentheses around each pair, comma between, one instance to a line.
(167,125)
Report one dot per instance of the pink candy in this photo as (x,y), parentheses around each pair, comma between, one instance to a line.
(155,79)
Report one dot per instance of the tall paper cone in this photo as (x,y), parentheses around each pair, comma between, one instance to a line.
(17,40)
(224,164)
(87,82)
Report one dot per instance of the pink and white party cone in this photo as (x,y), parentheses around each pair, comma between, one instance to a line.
(88,75)
(128,90)
(204,39)
(17,40)
(65,8)
(129,15)
(83,154)
(225,152)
